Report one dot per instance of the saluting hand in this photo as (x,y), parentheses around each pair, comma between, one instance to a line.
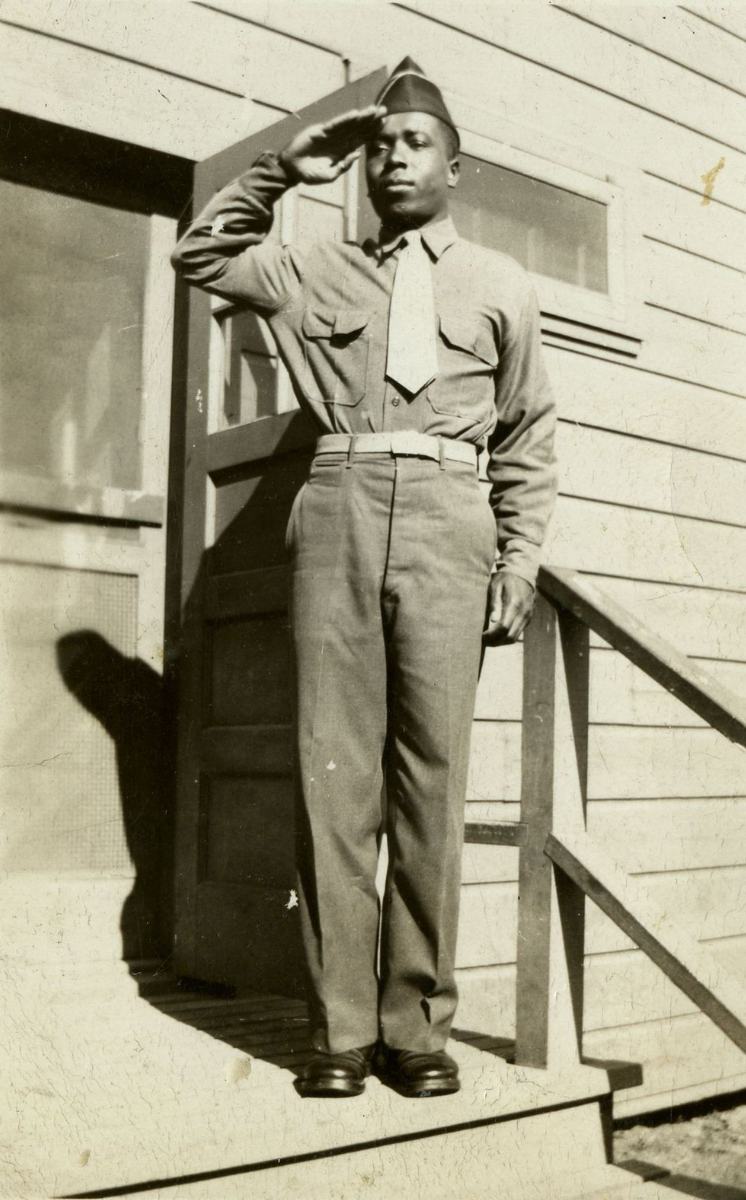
(511,602)
(321,153)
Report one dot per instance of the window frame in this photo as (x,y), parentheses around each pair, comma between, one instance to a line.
(532,152)
(85,166)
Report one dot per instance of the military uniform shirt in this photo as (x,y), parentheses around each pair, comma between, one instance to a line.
(327,304)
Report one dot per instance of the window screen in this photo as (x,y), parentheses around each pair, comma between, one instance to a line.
(71,323)
(549,230)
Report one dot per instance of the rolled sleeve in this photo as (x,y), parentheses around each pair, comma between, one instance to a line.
(522,464)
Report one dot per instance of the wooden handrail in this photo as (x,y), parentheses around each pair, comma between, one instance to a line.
(696,687)
(559,863)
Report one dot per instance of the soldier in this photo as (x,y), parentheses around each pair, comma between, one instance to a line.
(410,355)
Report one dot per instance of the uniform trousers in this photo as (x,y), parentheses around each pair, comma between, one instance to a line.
(391,559)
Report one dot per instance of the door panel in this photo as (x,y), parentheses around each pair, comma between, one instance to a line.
(245,454)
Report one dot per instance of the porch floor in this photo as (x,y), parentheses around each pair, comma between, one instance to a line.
(180,1094)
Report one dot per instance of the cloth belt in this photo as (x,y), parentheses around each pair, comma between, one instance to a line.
(403,441)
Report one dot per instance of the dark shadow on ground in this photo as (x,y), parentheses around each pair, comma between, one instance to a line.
(126,696)
(270,1027)
(683,1185)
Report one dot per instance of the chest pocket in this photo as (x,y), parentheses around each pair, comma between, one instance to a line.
(336,354)
(467,360)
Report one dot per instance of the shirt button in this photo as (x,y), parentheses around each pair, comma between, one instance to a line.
(395,401)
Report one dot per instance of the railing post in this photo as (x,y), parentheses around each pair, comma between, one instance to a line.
(553,791)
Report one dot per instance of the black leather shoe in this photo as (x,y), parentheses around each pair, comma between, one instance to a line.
(336,1075)
(418,1073)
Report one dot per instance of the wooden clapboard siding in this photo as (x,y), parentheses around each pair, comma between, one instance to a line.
(592,536)
(645,836)
(683,347)
(500,684)
(539,69)
(495,768)
(676,1052)
(726,17)
(623,762)
(656,476)
(617,985)
(703,620)
(183,80)
(563,69)
(573,47)
(631,400)
(711,897)
(621,694)
(695,287)
(673,34)
(678,217)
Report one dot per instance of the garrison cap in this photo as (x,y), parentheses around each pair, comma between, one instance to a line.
(409,90)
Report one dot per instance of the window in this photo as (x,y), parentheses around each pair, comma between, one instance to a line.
(71,328)
(564,225)
(550,230)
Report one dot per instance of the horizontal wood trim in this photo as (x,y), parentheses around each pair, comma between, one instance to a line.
(684,1059)
(143,105)
(686,963)
(730,18)
(114,505)
(676,215)
(689,682)
(684,348)
(624,763)
(247,750)
(639,403)
(495,834)
(637,473)
(694,286)
(622,989)
(622,694)
(669,33)
(710,901)
(707,622)
(489,862)
(247,593)
(598,537)
(560,331)
(234,448)
(173,80)
(587,55)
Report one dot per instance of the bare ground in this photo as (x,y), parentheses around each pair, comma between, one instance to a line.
(705,1154)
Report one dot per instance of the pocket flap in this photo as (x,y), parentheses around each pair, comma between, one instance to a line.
(349,320)
(325,322)
(318,322)
(471,336)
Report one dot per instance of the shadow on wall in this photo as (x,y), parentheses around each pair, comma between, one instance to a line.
(126,696)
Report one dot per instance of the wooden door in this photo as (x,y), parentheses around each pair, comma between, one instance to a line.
(241,451)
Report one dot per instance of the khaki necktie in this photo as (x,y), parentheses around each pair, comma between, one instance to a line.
(412,359)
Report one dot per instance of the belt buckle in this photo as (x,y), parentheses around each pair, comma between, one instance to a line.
(408,441)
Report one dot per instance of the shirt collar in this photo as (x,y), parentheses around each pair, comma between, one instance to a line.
(437,237)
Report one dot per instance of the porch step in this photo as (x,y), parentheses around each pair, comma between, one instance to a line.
(197,1099)
(530,1158)
(116,1094)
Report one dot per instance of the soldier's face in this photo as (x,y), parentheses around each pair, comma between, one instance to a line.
(410,168)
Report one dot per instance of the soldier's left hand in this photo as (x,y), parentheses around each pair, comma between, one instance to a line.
(509,608)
